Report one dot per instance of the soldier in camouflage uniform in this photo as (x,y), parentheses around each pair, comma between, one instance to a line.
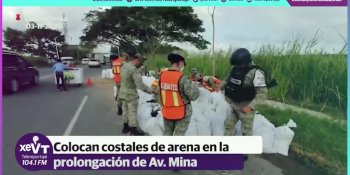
(131,80)
(195,75)
(187,91)
(245,87)
(124,58)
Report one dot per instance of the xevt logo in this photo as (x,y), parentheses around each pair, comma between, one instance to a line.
(34,152)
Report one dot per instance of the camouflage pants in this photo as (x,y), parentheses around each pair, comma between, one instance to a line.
(246,123)
(177,127)
(130,111)
(119,102)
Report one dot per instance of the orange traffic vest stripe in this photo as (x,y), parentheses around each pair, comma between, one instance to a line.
(117,64)
(173,107)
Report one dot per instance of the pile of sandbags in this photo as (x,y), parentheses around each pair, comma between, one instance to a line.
(151,125)
(107,73)
(209,113)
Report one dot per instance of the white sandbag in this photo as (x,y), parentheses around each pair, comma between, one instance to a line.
(205,96)
(291,124)
(115,90)
(200,123)
(199,127)
(283,138)
(192,129)
(143,114)
(152,127)
(202,115)
(217,121)
(267,135)
(203,127)
(261,120)
(209,113)
(103,73)
(110,73)
(262,127)
(222,110)
(148,80)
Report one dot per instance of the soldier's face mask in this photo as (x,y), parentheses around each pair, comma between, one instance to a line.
(182,66)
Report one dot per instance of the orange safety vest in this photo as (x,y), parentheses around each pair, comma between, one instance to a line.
(117,64)
(206,86)
(173,105)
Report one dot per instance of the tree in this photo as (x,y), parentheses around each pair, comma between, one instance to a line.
(39,42)
(145,29)
(15,39)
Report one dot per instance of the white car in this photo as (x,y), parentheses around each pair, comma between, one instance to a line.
(94,63)
(67,60)
(85,61)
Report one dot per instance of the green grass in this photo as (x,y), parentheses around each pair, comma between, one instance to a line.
(318,143)
(37,61)
(313,80)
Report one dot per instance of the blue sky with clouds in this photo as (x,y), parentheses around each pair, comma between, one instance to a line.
(248,27)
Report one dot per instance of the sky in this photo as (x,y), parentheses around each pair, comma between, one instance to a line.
(235,27)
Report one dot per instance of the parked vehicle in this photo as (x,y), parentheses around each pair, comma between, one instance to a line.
(100,57)
(85,61)
(16,71)
(94,63)
(67,61)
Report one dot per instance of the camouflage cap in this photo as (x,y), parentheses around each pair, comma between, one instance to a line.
(176,56)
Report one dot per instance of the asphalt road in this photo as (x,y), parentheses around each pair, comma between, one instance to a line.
(45,110)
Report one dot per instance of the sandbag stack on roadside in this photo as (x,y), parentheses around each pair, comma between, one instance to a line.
(209,113)
(107,73)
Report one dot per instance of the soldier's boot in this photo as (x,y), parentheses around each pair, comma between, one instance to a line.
(136,132)
(120,110)
(126,128)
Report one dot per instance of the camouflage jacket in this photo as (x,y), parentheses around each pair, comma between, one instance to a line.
(131,81)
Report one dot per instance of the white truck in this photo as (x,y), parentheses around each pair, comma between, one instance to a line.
(100,57)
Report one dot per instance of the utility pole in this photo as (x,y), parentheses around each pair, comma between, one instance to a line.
(58,56)
(213,42)
(78,52)
(65,27)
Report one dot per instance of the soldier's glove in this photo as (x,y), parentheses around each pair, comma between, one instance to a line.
(152,101)
(246,109)
(154,113)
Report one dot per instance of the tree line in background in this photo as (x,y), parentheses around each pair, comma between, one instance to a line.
(41,43)
(38,42)
(147,30)
(144,29)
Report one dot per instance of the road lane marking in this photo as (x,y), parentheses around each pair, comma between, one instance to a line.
(46,77)
(75,117)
